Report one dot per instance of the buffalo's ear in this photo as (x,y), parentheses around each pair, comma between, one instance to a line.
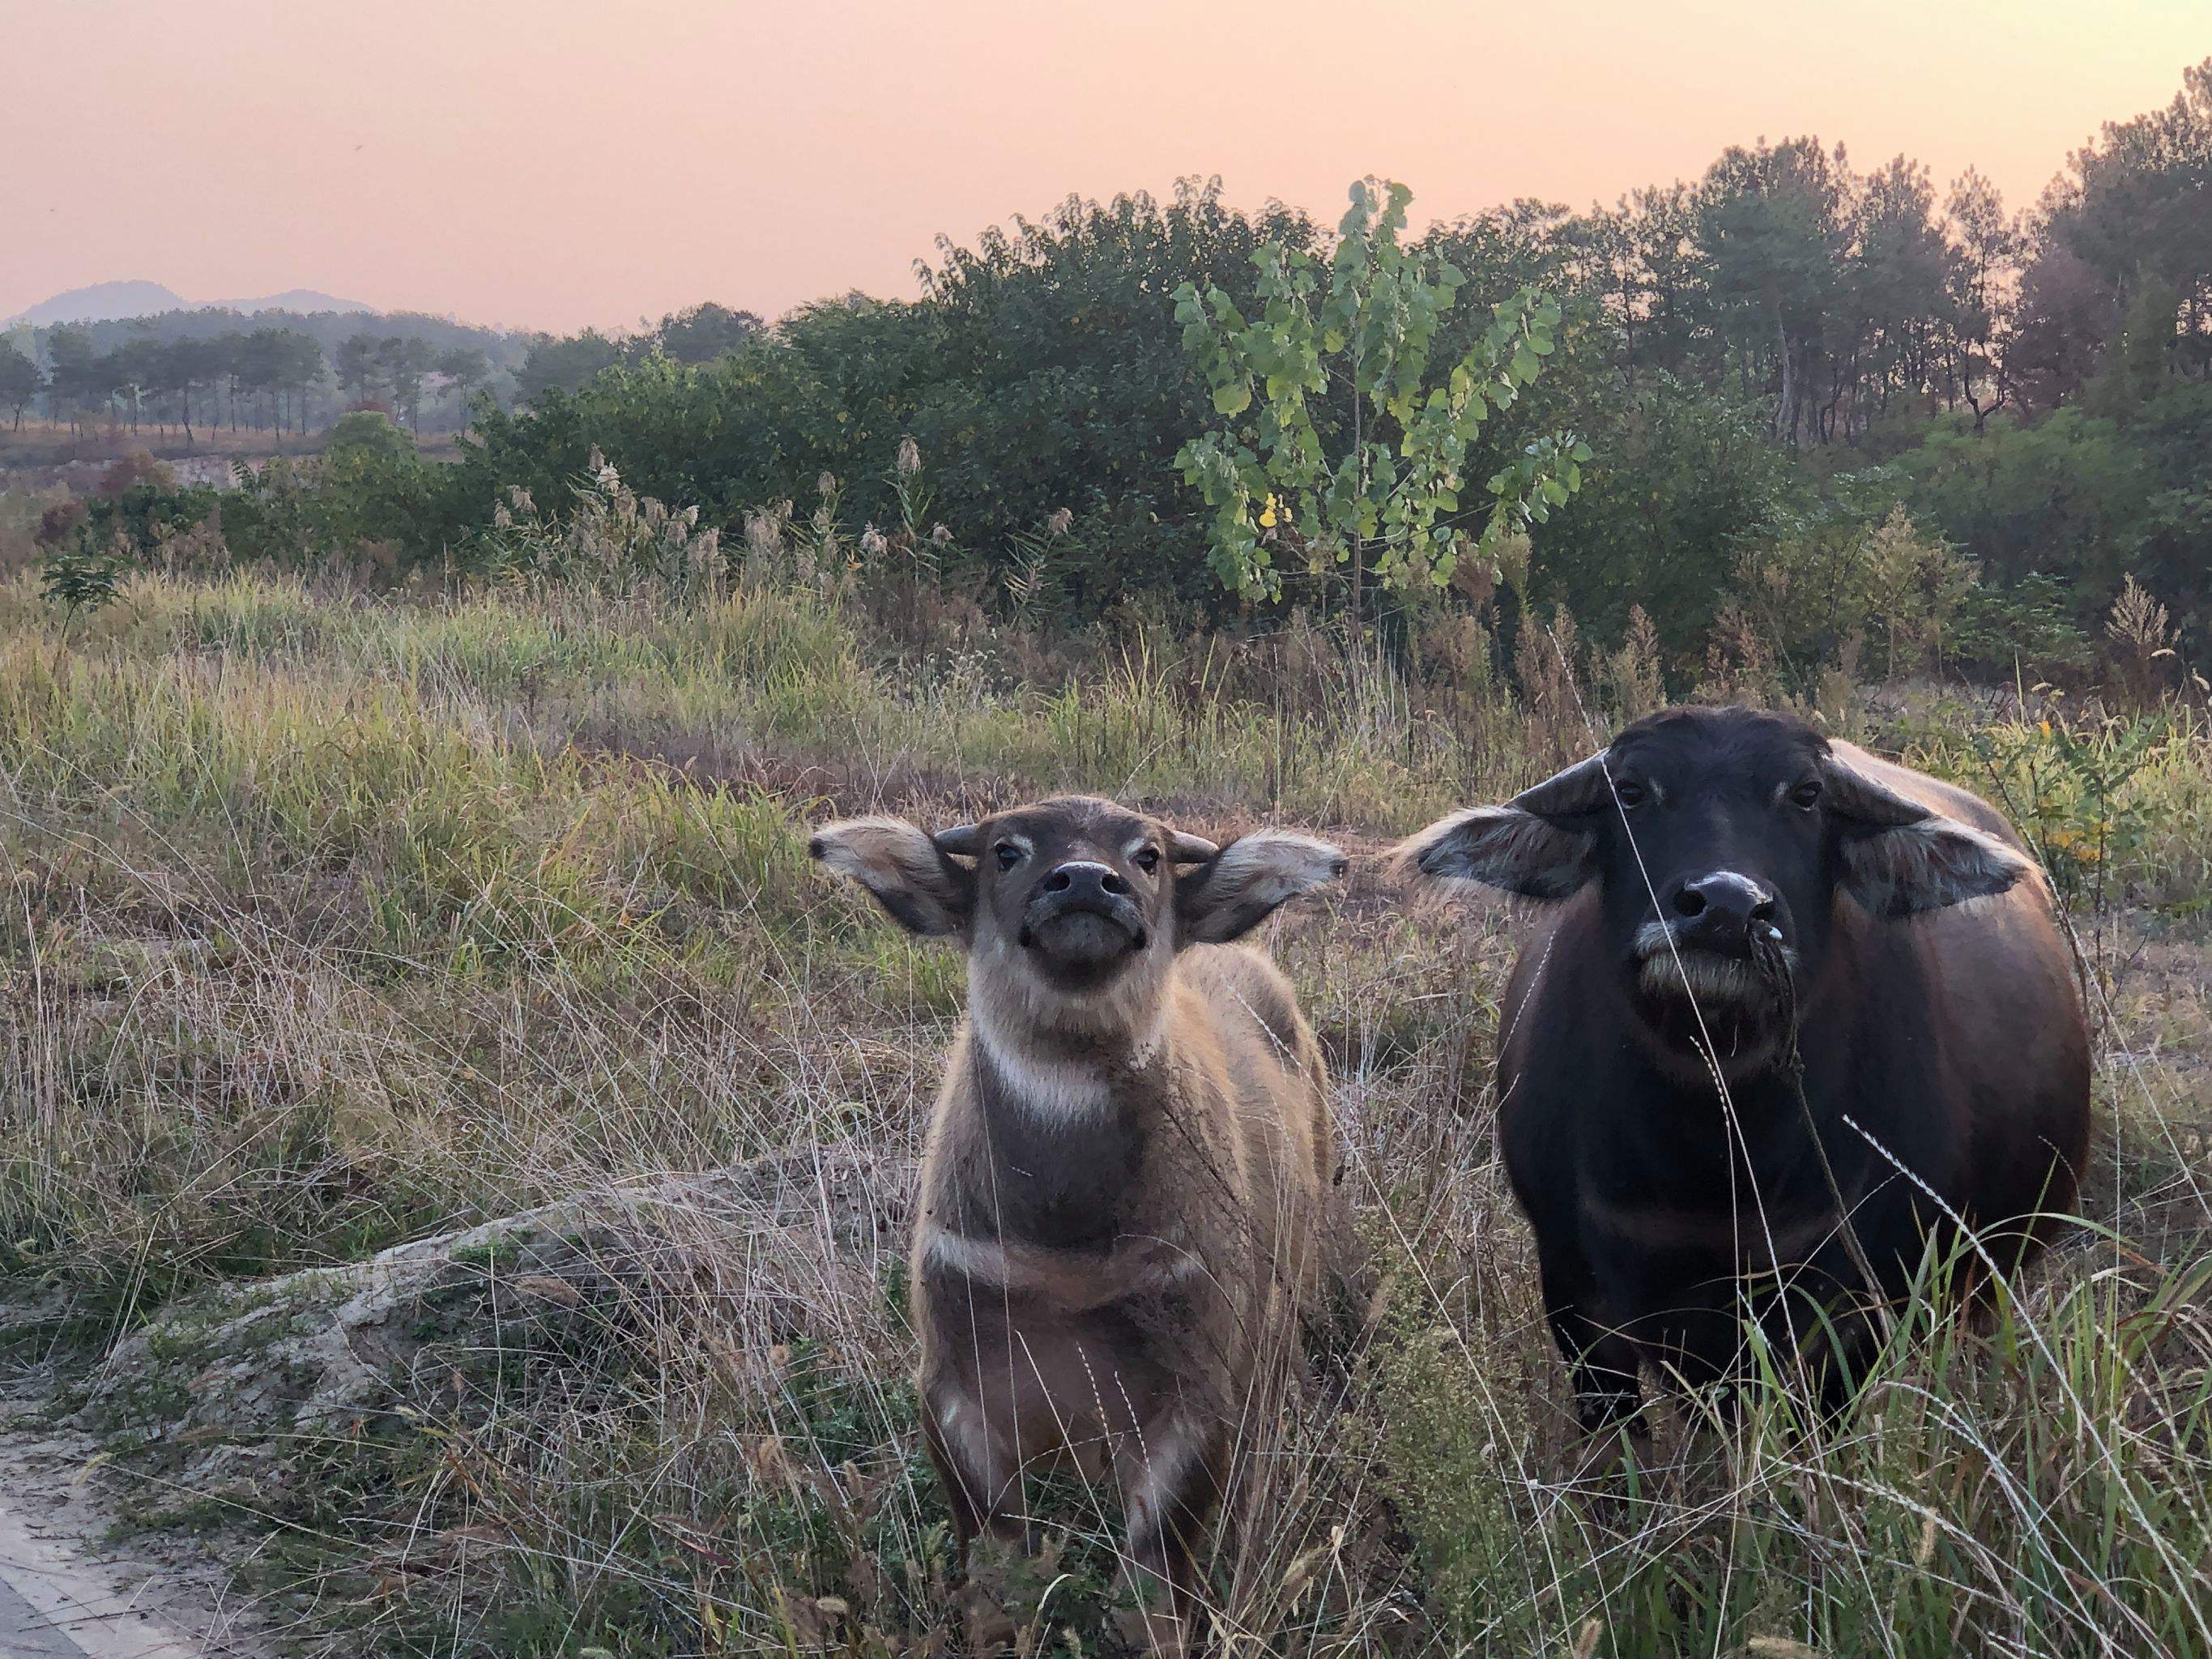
(1900,859)
(1541,844)
(1227,895)
(913,877)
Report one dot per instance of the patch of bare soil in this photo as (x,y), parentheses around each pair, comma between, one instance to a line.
(76,1576)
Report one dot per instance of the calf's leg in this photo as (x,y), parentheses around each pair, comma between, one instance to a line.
(975,1463)
(1171,1473)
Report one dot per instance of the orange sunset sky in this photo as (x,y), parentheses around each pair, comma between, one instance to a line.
(550,164)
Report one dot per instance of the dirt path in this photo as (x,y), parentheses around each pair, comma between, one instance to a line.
(57,1602)
(69,1590)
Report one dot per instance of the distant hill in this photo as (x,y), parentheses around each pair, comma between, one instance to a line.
(103,302)
(305,301)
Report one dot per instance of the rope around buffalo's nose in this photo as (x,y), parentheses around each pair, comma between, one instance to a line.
(1771,964)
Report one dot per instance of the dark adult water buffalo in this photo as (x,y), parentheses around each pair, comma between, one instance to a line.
(1715,871)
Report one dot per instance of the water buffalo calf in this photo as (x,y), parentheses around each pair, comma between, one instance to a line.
(1123,1197)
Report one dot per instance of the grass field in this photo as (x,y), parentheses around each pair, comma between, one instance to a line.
(333,923)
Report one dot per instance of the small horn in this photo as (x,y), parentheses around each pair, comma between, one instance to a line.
(1580,789)
(961,841)
(1191,849)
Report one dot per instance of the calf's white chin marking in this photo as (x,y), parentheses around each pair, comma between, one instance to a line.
(972,1258)
(1002,1017)
(1044,1088)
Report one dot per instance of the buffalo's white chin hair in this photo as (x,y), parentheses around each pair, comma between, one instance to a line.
(1678,972)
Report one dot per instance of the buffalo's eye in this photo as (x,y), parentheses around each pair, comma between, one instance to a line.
(1629,792)
(1009,854)
(1149,859)
(1806,794)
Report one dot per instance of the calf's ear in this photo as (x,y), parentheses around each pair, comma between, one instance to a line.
(914,877)
(1226,895)
(1541,844)
(1901,858)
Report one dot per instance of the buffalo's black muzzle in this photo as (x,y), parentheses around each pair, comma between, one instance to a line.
(1722,913)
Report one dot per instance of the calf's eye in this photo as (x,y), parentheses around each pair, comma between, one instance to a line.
(1806,794)
(1628,792)
(1009,854)
(1149,859)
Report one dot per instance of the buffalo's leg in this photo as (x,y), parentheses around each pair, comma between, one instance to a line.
(1849,1323)
(1600,1361)
(975,1464)
(1171,1475)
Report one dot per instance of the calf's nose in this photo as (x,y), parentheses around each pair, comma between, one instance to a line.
(1718,911)
(1083,877)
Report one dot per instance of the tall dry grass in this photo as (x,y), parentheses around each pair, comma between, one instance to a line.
(332,923)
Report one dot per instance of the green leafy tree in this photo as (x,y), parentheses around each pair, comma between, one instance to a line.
(277,512)
(76,375)
(93,545)
(405,359)
(2136,366)
(704,332)
(135,372)
(1894,298)
(1390,498)
(84,578)
(2132,208)
(1985,247)
(228,374)
(1043,372)
(465,370)
(181,368)
(1774,223)
(261,371)
(358,366)
(20,381)
(376,488)
(1684,482)
(565,364)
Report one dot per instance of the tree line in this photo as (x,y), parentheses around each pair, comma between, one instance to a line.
(699,335)
(265,379)
(1780,353)
(175,370)
(260,379)
(1769,365)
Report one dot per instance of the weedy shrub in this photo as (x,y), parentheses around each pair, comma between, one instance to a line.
(612,540)
(78,579)
(1840,577)
(2114,807)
